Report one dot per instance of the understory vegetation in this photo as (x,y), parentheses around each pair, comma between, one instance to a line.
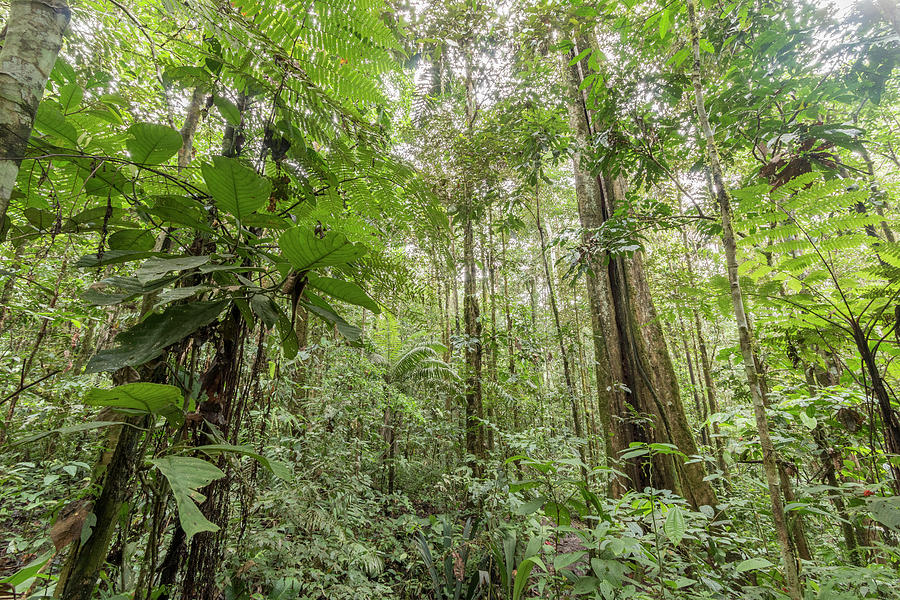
(449,299)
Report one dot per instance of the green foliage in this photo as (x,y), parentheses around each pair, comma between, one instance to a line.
(343,290)
(150,337)
(152,144)
(237,189)
(186,476)
(294,311)
(305,249)
(152,398)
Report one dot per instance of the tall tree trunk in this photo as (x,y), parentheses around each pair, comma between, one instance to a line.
(474,346)
(81,571)
(590,421)
(454,280)
(695,385)
(487,433)
(510,342)
(491,268)
(34,33)
(635,375)
(890,422)
(770,465)
(706,368)
(827,456)
(563,352)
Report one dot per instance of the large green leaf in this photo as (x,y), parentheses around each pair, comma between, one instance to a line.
(886,511)
(531,506)
(70,97)
(179,210)
(21,580)
(285,588)
(343,290)
(236,189)
(522,574)
(41,219)
(287,335)
(103,179)
(186,476)
(51,121)
(266,309)
(148,339)
(227,109)
(675,525)
(153,398)
(751,564)
(132,239)
(110,257)
(152,144)
(155,267)
(305,250)
(319,307)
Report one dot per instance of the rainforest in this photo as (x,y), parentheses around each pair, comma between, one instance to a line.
(449,299)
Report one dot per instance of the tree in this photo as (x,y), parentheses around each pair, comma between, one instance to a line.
(33,37)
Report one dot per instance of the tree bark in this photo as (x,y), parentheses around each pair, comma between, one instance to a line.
(189,129)
(472,344)
(81,570)
(640,399)
(34,33)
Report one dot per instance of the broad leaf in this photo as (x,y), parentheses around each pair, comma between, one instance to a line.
(155,267)
(186,476)
(675,525)
(148,339)
(564,560)
(110,257)
(152,144)
(753,563)
(343,290)
(70,96)
(51,121)
(321,308)
(305,250)
(522,574)
(886,511)
(531,506)
(287,335)
(20,581)
(179,210)
(227,109)
(266,309)
(132,239)
(237,189)
(152,398)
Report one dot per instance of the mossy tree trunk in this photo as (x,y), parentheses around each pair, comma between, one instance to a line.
(34,34)
(640,400)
